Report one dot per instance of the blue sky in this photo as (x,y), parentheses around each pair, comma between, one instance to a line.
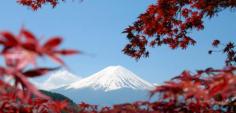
(95,26)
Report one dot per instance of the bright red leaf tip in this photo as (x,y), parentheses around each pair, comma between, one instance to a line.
(52,43)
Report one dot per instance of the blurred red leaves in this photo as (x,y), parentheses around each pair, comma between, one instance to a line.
(19,52)
(52,43)
(28,46)
(38,72)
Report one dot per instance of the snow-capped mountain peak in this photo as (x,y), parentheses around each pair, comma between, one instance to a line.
(112,78)
(60,78)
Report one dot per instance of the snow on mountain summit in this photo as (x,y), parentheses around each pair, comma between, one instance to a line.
(112,78)
(60,78)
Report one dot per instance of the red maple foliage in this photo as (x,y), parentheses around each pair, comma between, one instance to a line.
(169,22)
(20,54)
(229,49)
(36,4)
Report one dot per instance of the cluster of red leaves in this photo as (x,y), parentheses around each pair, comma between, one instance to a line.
(15,100)
(211,90)
(229,49)
(19,53)
(35,4)
(169,22)
(207,91)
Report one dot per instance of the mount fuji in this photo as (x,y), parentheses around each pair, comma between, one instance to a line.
(112,85)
